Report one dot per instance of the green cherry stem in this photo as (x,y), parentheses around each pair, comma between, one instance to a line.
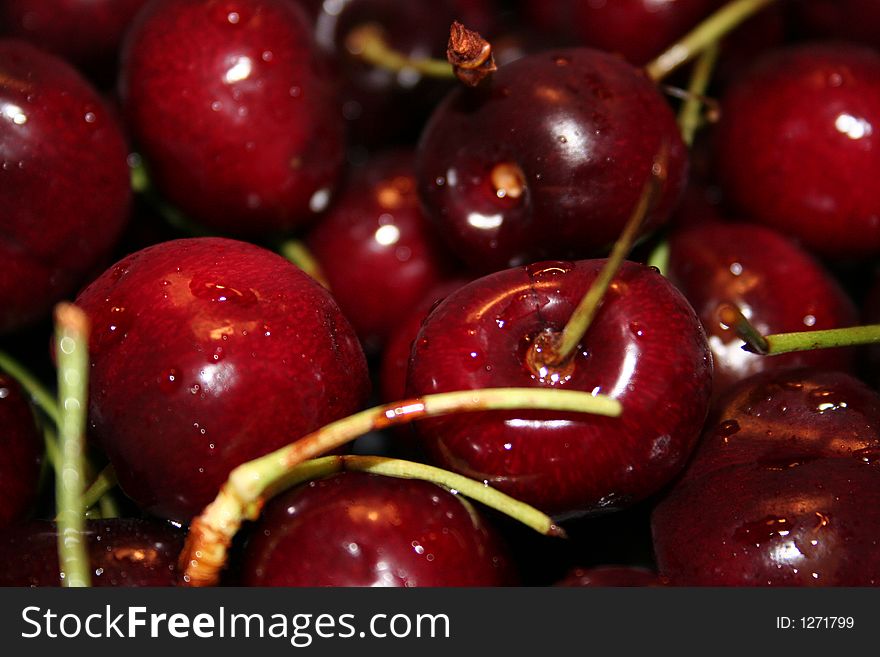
(252,483)
(707,33)
(690,117)
(552,350)
(367,42)
(71,344)
(97,493)
(41,396)
(785,343)
(299,254)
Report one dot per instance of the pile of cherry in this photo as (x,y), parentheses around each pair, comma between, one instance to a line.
(446,231)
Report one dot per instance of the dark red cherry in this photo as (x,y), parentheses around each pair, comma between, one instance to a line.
(776,284)
(783,419)
(786,481)
(207,353)
(852,20)
(796,146)
(356,529)
(234,110)
(376,249)
(395,357)
(645,348)
(636,29)
(21,450)
(86,33)
(508,185)
(121,551)
(64,182)
(610,576)
(383,106)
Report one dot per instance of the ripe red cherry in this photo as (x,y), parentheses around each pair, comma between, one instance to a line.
(234,111)
(853,20)
(21,449)
(383,106)
(64,182)
(637,29)
(86,33)
(121,552)
(356,529)
(645,348)
(508,186)
(779,287)
(786,483)
(796,146)
(376,249)
(207,353)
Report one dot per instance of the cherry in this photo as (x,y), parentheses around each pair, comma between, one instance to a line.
(122,552)
(21,449)
(777,285)
(610,576)
(356,529)
(383,106)
(235,112)
(853,20)
(508,186)
(395,357)
(786,482)
(636,29)
(796,146)
(86,33)
(65,183)
(646,348)
(207,353)
(376,249)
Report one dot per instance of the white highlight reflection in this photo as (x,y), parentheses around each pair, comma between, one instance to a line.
(240,70)
(853,127)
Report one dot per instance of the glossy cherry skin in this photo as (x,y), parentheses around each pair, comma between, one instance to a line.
(86,33)
(610,576)
(776,284)
(234,110)
(396,355)
(508,186)
(207,353)
(645,348)
(786,482)
(636,29)
(796,146)
(64,182)
(376,249)
(21,450)
(356,529)
(122,552)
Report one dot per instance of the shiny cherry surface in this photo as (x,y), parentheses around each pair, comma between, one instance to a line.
(783,489)
(21,450)
(234,110)
(797,146)
(207,353)
(376,249)
(778,286)
(64,182)
(121,552)
(547,158)
(356,529)
(645,348)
